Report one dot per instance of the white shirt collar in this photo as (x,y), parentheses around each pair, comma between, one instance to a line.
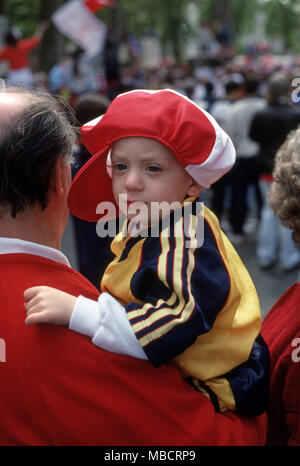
(19,246)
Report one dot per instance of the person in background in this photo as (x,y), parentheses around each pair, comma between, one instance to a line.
(16,53)
(220,111)
(281,326)
(269,128)
(245,170)
(94,253)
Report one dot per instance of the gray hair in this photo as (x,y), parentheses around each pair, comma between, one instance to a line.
(30,144)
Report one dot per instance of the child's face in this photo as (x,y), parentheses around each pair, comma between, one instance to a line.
(146,171)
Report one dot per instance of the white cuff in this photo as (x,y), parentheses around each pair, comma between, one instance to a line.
(86,317)
(106,322)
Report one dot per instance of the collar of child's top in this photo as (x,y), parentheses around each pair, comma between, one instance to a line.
(133,228)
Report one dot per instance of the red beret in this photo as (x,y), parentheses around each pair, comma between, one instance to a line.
(193,136)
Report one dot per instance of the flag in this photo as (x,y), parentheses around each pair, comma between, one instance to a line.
(96,5)
(76,21)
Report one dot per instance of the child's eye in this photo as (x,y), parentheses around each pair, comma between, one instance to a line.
(153,168)
(119,166)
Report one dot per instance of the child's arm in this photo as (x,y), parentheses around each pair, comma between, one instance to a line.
(104,321)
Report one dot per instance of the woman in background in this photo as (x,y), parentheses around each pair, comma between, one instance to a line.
(281,327)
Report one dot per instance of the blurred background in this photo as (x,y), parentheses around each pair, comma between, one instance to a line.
(88,51)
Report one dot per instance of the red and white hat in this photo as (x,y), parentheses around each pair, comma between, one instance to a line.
(193,136)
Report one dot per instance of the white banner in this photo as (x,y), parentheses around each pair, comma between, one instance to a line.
(75,21)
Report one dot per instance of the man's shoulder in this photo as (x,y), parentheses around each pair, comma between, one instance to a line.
(244,104)
(36,270)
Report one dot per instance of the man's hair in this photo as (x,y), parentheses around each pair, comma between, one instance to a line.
(284,194)
(278,88)
(30,144)
(87,108)
(251,84)
(231,86)
(10,39)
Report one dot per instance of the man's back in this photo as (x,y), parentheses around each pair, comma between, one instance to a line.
(270,128)
(58,389)
(239,120)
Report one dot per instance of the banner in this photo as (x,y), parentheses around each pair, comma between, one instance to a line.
(76,21)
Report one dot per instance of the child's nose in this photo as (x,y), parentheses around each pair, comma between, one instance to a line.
(134,181)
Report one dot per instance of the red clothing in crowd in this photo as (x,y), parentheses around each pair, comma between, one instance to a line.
(58,389)
(281,331)
(17,57)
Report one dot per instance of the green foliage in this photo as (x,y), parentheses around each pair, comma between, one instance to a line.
(23,14)
(283,20)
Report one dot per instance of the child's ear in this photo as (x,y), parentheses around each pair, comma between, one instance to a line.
(194,189)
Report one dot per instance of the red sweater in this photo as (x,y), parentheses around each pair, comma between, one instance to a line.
(281,329)
(17,57)
(58,389)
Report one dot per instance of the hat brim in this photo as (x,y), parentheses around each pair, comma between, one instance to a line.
(91,186)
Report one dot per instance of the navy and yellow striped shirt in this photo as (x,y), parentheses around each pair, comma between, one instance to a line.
(190,300)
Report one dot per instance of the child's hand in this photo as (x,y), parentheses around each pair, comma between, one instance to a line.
(48,305)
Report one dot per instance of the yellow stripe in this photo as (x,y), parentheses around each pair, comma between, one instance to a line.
(231,338)
(221,389)
(162,262)
(184,308)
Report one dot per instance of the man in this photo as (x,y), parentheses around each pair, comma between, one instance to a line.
(220,110)
(269,128)
(56,388)
(245,171)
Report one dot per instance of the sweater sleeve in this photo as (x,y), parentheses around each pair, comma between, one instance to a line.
(29,44)
(291,401)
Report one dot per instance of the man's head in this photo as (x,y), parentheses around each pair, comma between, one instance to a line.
(278,88)
(189,133)
(234,89)
(11,39)
(36,135)
(251,84)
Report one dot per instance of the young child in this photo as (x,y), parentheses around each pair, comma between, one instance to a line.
(176,297)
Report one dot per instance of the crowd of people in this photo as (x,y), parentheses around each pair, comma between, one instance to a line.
(111,390)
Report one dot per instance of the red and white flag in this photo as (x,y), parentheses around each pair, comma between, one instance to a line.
(96,5)
(76,21)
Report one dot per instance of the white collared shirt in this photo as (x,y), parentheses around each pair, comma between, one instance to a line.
(19,246)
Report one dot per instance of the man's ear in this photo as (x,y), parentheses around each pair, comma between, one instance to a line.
(61,181)
(194,189)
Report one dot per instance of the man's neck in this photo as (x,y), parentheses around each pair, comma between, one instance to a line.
(33,225)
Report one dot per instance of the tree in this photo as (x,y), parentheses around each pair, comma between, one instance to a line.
(52,46)
(166,18)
